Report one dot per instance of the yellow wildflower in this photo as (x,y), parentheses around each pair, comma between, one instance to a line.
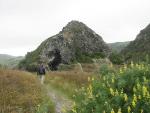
(142,111)
(119,110)
(144,89)
(125,97)
(133,103)
(104,111)
(139,97)
(134,98)
(129,109)
(112,111)
(134,89)
(112,80)
(111,91)
(92,78)
(116,92)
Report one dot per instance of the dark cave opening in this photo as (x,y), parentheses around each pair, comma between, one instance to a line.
(53,65)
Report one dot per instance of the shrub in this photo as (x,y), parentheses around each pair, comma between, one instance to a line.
(127,91)
(116,58)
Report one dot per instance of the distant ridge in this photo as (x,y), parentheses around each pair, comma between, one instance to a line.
(118,46)
(9,60)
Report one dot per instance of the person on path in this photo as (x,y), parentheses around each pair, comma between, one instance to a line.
(41,72)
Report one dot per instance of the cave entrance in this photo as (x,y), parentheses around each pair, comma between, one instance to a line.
(55,61)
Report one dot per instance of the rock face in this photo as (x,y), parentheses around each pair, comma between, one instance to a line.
(139,49)
(75,38)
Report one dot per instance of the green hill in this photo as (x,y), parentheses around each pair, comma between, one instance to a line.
(118,46)
(139,49)
(10,61)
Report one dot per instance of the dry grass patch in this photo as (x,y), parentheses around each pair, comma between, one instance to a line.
(68,82)
(19,92)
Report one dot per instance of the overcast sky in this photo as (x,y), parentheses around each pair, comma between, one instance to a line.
(24,24)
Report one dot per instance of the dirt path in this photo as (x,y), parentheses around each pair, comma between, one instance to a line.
(61,101)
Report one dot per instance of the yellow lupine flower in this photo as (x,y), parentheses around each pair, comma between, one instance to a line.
(122,91)
(134,98)
(112,111)
(133,103)
(148,95)
(125,97)
(92,78)
(129,109)
(144,89)
(111,91)
(104,111)
(134,89)
(119,110)
(139,97)
(112,80)
(116,92)
(142,111)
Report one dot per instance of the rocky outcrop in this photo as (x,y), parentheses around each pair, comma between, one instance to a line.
(74,39)
(139,49)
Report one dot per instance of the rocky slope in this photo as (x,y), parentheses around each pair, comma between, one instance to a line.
(75,42)
(139,49)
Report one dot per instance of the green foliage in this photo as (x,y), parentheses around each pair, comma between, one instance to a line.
(125,91)
(106,69)
(116,58)
(87,58)
(31,59)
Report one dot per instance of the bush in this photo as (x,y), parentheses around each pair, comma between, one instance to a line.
(116,58)
(127,91)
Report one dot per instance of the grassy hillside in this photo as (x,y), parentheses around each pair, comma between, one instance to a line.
(10,61)
(4,58)
(118,46)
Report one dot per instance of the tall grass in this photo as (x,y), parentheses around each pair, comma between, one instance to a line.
(67,81)
(20,92)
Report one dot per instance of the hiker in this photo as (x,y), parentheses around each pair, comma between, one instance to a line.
(41,72)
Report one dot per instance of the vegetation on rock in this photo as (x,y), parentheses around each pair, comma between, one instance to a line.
(139,49)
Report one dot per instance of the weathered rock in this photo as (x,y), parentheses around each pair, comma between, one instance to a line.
(75,38)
